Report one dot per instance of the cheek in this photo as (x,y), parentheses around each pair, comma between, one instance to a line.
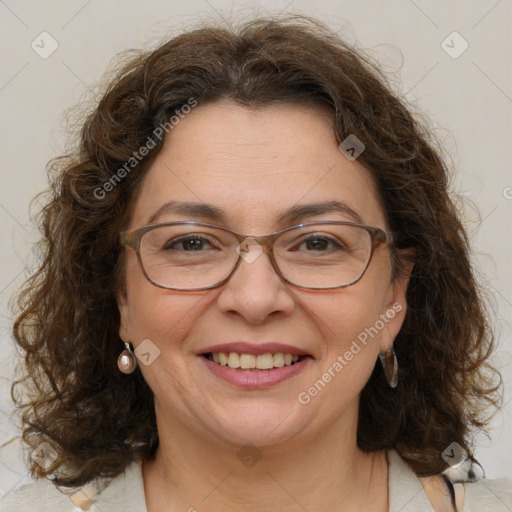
(166,319)
(155,313)
(351,329)
(353,322)
(347,315)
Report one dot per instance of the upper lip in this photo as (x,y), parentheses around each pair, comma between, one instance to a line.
(242,347)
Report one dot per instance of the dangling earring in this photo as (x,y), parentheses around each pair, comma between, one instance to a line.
(127,362)
(390,365)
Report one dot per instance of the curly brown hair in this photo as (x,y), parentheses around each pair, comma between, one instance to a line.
(99,420)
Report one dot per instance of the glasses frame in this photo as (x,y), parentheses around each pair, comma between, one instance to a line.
(133,239)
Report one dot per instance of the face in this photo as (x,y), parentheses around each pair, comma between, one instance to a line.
(255,165)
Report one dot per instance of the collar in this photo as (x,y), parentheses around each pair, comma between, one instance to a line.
(406,494)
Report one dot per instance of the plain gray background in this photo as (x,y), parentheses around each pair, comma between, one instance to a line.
(466,95)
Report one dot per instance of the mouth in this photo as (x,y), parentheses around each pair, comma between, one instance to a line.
(255,366)
(253,362)
(255,371)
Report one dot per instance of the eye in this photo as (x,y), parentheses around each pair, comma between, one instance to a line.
(193,242)
(320,242)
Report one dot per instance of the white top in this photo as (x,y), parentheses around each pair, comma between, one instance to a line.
(126,493)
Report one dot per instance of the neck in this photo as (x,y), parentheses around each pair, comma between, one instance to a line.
(191,471)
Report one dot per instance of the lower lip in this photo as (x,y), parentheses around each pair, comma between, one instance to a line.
(258,379)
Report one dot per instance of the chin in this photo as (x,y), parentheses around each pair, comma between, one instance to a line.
(259,426)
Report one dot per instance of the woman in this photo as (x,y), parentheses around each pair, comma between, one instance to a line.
(255,294)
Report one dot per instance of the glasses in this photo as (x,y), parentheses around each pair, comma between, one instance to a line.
(189,256)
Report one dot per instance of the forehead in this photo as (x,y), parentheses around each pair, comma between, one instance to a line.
(253,165)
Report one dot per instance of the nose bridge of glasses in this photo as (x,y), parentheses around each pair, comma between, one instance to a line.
(263,241)
(244,241)
(260,244)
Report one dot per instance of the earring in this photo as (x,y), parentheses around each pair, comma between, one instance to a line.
(390,365)
(127,362)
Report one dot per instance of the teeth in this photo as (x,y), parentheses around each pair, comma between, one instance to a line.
(250,361)
(233,360)
(247,361)
(279,360)
(265,362)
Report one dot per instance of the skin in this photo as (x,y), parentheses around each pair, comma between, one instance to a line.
(253,165)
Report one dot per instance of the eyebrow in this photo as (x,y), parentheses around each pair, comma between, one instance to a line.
(293,215)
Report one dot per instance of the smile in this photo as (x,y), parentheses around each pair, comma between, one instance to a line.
(251,372)
(253,362)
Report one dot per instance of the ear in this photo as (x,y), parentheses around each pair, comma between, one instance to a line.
(396,307)
(124,318)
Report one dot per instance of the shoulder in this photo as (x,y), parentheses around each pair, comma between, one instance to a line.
(408,492)
(488,494)
(113,495)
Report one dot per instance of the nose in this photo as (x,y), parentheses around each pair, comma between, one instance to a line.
(255,290)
